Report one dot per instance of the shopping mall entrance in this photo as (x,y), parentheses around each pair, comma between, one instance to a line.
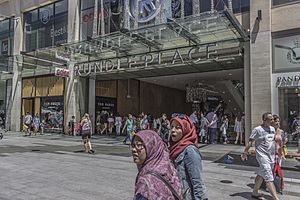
(181,65)
(181,93)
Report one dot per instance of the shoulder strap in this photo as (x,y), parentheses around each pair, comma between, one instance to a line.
(175,194)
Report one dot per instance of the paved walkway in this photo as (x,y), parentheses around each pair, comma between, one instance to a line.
(54,167)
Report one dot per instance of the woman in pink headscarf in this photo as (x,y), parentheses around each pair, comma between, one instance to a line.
(157,177)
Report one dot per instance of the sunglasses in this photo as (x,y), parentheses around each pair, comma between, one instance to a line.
(180,116)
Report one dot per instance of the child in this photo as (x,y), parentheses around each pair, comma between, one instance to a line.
(42,126)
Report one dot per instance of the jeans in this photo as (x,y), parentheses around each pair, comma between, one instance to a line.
(212,135)
(128,136)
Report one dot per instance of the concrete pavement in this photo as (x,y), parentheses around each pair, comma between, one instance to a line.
(54,167)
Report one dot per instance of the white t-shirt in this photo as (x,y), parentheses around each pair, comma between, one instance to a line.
(28,119)
(264,143)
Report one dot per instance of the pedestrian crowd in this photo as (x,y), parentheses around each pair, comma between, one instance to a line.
(175,170)
(211,127)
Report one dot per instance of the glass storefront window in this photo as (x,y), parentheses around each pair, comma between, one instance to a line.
(112,17)
(6,37)
(289,106)
(46,26)
(238,6)
(6,42)
(279,2)
(2,102)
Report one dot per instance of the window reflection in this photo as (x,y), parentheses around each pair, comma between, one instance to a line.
(279,2)
(46,26)
(112,14)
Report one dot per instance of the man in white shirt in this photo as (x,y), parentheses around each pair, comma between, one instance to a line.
(264,137)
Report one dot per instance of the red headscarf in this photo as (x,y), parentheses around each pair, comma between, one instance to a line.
(189,136)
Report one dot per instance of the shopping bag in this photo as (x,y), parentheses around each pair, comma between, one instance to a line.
(278,178)
(132,133)
(285,150)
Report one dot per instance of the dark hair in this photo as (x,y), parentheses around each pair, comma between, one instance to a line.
(265,115)
(239,117)
(275,117)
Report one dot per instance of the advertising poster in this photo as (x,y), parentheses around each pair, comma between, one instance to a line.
(286,53)
(52,111)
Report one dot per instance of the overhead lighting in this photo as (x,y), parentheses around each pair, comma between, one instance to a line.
(229,74)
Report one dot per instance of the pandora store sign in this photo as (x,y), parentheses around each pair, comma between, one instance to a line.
(288,81)
(162,58)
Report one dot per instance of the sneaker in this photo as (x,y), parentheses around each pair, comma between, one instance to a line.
(91,151)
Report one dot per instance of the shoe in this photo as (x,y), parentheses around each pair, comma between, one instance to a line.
(91,151)
(235,142)
(259,196)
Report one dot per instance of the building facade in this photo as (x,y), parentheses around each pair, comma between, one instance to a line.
(119,56)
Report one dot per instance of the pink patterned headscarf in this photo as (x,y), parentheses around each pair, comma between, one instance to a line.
(157,160)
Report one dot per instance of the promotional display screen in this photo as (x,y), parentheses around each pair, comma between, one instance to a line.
(52,113)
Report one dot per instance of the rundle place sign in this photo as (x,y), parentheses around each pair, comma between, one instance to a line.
(185,55)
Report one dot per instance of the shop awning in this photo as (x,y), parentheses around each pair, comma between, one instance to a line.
(178,46)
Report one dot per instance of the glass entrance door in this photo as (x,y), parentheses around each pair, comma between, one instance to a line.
(289,106)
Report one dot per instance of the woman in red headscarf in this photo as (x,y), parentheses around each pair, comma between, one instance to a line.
(186,157)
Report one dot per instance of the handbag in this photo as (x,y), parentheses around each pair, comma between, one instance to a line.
(284,150)
(278,178)
(175,194)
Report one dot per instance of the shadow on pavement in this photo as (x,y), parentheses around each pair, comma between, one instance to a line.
(247,195)
(237,160)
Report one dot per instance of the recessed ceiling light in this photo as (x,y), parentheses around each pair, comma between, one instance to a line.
(229,74)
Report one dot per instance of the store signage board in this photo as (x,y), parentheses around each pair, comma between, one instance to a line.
(288,81)
(165,58)
(62,72)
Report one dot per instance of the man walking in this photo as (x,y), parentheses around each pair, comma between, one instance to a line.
(28,123)
(264,137)
(212,126)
